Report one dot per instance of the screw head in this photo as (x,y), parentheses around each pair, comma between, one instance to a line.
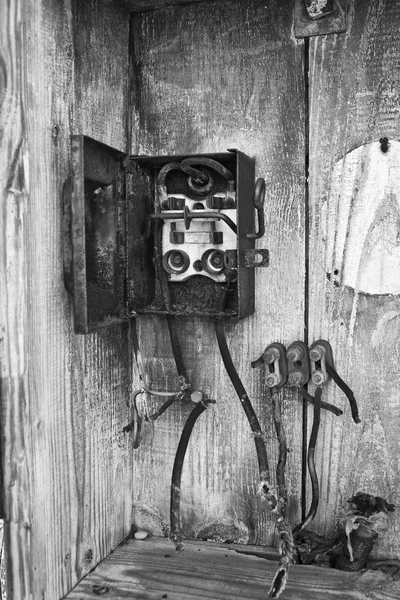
(229,202)
(272,379)
(294,353)
(318,378)
(271,355)
(196,396)
(317,353)
(295,378)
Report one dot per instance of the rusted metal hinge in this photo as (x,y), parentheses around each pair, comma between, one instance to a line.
(319,17)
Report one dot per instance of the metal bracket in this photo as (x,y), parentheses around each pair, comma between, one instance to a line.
(319,17)
(254,258)
(320,356)
(274,357)
(298,364)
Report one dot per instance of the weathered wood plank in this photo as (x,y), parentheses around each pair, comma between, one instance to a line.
(142,5)
(207,81)
(67,465)
(151,569)
(354,291)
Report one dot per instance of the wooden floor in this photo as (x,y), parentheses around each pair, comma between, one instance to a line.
(150,570)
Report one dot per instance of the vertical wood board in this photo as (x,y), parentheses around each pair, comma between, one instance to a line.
(354,250)
(206,80)
(67,464)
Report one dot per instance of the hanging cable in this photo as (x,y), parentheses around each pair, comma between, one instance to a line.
(281,435)
(276,502)
(154,416)
(325,405)
(241,392)
(348,392)
(177,352)
(311,464)
(175,509)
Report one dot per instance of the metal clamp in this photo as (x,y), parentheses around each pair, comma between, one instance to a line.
(320,356)
(298,364)
(275,357)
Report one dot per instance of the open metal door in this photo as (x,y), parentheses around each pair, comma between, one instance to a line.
(94,257)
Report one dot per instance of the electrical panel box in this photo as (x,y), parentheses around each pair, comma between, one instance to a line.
(160,235)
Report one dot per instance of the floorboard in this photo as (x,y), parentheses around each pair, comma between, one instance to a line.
(150,570)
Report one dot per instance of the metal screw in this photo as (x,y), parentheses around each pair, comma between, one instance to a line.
(271,355)
(317,353)
(294,353)
(295,378)
(229,202)
(318,378)
(272,380)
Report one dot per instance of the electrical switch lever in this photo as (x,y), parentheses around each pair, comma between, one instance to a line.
(258,203)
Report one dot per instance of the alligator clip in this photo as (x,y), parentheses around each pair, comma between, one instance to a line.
(274,356)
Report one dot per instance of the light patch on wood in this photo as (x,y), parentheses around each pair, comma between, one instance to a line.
(354,219)
(364,202)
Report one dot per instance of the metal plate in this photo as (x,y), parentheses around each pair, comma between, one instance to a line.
(334,22)
(254,258)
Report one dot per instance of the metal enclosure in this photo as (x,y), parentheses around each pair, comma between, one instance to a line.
(113,248)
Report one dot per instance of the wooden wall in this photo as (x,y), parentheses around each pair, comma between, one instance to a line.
(202,80)
(233,76)
(354,253)
(67,465)
(207,80)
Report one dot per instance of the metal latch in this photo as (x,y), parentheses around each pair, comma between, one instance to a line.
(248,258)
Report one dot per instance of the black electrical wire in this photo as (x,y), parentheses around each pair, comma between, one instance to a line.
(162,408)
(311,464)
(241,392)
(281,435)
(325,405)
(135,339)
(177,352)
(345,388)
(175,509)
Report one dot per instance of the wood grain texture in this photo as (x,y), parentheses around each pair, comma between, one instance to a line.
(67,465)
(354,238)
(207,80)
(151,570)
(142,5)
